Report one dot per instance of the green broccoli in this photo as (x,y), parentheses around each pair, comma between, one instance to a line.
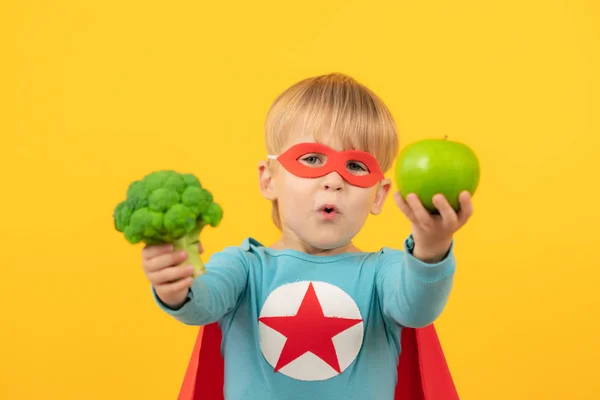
(168,207)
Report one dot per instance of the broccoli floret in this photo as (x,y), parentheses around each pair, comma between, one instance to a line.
(162,199)
(191,180)
(197,199)
(145,225)
(122,215)
(137,195)
(213,215)
(168,207)
(180,220)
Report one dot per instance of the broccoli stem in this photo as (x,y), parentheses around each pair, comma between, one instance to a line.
(190,243)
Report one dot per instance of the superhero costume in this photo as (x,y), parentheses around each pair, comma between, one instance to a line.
(422,370)
(296,326)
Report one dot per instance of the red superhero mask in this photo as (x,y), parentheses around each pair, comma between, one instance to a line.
(367,175)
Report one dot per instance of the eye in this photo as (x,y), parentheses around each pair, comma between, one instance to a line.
(357,167)
(312,159)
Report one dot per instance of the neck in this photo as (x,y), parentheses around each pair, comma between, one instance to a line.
(290,241)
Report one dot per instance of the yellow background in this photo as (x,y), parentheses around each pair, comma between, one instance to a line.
(94,94)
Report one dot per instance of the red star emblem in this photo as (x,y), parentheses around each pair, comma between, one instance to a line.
(309,331)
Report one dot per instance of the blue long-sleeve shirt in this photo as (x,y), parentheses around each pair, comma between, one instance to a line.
(298,327)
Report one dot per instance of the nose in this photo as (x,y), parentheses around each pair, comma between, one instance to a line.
(333,181)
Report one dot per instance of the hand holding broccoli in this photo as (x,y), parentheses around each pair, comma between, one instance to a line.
(168,209)
(162,267)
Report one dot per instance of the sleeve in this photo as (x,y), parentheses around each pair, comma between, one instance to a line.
(215,293)
(413,293)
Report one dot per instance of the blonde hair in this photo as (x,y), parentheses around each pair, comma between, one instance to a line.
(333,108)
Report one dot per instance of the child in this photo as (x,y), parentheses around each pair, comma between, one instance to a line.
(312,316)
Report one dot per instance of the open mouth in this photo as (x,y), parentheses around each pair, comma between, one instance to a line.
(328,209)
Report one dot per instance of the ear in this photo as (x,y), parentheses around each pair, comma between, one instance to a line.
(265,181)
(382,192)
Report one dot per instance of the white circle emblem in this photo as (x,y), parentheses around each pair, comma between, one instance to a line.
(310,331)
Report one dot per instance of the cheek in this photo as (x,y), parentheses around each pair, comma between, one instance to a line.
(293,192)
(362,199)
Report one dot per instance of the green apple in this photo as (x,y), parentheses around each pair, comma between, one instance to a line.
(431,166)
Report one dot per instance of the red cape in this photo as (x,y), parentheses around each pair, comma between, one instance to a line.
(423,373)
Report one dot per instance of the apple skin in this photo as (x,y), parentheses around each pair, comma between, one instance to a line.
(431,166)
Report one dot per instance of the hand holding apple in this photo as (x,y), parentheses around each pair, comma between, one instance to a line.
(436,179)
(433,233)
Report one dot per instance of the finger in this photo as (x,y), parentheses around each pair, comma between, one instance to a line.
(466,207)
(404,208)
(164,261)
(174,287)
(170,275)
(156,250)
(449,217)
(422,216)
(200,248)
